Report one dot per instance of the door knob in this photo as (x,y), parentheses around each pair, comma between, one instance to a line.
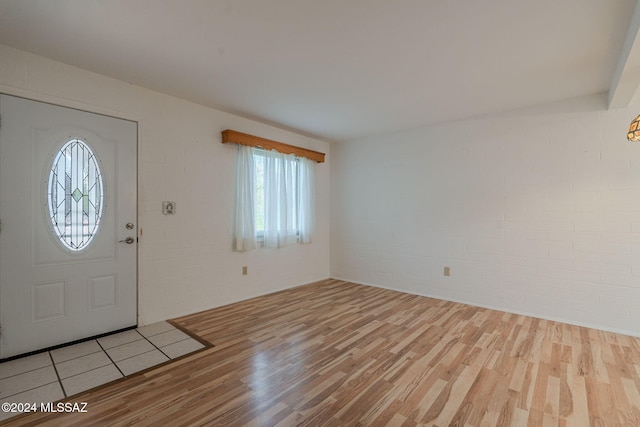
(128,240)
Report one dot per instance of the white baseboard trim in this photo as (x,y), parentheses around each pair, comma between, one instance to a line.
(144,321)
(490,307)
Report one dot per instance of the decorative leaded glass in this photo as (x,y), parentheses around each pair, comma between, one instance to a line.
(75,195)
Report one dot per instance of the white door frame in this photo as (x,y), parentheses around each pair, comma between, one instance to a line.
(93,109)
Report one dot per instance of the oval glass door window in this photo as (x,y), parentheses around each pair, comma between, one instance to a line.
(75,195)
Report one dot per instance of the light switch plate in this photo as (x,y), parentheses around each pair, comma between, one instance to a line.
(168,208)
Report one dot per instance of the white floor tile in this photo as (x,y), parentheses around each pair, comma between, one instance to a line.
(119,339)
(24,364)
(79,383)
(27,381)
(141,362)
(181,348)
(74,351)
(82,364)
(155,329)
(167,338)
(90,364)
(131,349)
(45,394)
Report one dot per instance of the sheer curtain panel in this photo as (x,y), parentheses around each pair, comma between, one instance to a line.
(245,231)
(275,199)
(280,199)
(306,213)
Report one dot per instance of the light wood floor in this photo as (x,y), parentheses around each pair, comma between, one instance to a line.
(339,354)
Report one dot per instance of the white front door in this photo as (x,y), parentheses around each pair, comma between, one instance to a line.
(68,230)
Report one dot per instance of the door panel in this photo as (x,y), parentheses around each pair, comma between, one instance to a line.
(50,292)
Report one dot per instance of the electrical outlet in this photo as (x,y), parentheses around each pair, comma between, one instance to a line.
(447,271)
(244,270)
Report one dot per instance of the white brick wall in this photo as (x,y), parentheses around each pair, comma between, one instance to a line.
(536,212)
(185,261)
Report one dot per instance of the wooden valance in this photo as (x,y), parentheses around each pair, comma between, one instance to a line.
(255,141)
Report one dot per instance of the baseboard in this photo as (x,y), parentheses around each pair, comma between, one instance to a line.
(490,307)
(234,301)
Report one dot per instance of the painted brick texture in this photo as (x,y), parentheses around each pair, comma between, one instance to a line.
(536,212)
(186,262)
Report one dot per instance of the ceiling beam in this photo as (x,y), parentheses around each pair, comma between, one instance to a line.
(626,78)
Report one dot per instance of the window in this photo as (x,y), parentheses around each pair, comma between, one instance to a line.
(286,192)
(274,205)
(75,195)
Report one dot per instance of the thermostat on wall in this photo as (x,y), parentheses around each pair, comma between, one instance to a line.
(168,208)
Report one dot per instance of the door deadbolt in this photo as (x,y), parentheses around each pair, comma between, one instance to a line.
(129,226)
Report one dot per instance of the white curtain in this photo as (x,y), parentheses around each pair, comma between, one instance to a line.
(306,212)
(280,199)
(289,193)
(245,232)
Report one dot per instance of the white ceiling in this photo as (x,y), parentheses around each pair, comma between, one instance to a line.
(337,69)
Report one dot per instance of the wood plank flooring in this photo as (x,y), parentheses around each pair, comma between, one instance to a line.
(335,353)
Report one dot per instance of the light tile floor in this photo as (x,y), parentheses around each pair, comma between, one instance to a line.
(64,372)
